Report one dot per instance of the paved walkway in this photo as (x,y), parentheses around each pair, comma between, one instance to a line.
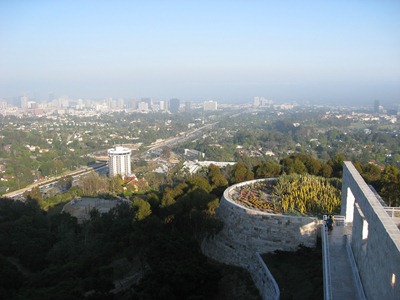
(342,280)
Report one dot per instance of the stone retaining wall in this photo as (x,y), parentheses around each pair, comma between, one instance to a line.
(248,231)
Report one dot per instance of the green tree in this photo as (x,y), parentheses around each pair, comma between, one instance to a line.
(167,198)
(326,171)
(154,200)
(166,152)
(292,165)
(313,165)
(34,194)
(46,168)
(142,208)
(240,173)
(93,184)
(337,165)
(58,167)
(390,181)
(267,169)
(215,177)
(65,183)
(115,184)
(371,173)
(200,182)
(21,167)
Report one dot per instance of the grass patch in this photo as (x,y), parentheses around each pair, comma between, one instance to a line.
(298,274)
(235,283)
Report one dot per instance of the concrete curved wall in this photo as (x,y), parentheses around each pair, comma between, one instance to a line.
(252,230)
(248,231)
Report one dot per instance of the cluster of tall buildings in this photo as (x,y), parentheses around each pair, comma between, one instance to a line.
(65,105)
(210,105)
(379,109)
(261,101)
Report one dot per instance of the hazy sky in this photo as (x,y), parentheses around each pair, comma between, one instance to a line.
(322,51)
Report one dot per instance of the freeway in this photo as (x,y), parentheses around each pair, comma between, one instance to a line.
(51,182)
(180,139)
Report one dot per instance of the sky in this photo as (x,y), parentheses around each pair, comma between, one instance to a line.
(228,51)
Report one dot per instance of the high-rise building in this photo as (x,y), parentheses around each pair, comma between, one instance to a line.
(111,103)
(24,102)
(162,105)
(188,106)
(132,104)
(261,101)
(3,104)
(64,101)
(210,105)
(376,106)
(148,100)
(120,103)
(174,105)
(79,104)
(119,161)
(256,102)
(143,106)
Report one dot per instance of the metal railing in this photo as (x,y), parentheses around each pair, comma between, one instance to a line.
(326,263)
(393,212)
(339,220)
(354,269)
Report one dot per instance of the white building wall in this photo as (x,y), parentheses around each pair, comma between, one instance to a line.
(119,161)
(210,105)
(375,238)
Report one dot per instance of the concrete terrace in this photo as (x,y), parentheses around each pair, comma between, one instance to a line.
(343,280)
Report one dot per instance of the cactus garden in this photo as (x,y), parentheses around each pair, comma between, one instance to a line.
(292,194)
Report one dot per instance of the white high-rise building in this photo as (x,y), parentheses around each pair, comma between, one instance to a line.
(261,101)
(24,102)
(256,102)
(162,105)
(143,107)
(119,161)
(210,105)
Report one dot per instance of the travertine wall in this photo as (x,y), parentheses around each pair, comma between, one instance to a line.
(375,238)
(247,231)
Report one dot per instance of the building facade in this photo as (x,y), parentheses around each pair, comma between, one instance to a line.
(119,161)
(210,105)
(174,105)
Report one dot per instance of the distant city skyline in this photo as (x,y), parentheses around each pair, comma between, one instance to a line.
(228,51)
